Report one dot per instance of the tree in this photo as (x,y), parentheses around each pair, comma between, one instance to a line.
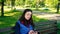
(12,4)
(2,7)
(41,3)
(7,2)
(58,6)
(51,3)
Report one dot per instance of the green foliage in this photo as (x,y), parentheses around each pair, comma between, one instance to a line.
(0,0)
(33,3)
(51,3)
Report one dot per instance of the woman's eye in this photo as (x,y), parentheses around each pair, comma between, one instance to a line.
(29,14)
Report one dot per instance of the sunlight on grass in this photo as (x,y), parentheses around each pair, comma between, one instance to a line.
(10,18)
(7,9)
(12,24)
(10,14)
(0,22)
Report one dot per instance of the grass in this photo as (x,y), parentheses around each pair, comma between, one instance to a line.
(9,18)
(35,19)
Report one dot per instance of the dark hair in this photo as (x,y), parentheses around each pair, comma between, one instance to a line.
(22,18)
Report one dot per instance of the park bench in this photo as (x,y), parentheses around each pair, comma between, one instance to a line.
(48,27)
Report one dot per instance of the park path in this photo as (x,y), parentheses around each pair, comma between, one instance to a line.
(46,15)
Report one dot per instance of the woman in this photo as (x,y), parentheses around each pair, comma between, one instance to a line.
(25,24)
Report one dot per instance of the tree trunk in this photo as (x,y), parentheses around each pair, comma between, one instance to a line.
(57,8)
(12,4)
(2,8)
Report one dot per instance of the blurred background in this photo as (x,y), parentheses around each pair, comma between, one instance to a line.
(43,10)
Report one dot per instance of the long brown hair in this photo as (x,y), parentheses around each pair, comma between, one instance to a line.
(26,22)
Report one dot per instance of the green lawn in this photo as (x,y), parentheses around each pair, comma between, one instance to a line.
(9,18)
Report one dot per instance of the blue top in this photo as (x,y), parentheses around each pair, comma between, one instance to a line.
(22,29)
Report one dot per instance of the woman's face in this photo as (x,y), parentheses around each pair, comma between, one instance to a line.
(28,15)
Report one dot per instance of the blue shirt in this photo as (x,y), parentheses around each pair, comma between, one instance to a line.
(22,29)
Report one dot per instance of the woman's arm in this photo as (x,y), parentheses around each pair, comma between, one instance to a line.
(17,29)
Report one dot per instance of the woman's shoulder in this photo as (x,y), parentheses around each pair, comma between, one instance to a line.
(18,22)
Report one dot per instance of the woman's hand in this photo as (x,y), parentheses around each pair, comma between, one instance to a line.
(36,32)
(32,32)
